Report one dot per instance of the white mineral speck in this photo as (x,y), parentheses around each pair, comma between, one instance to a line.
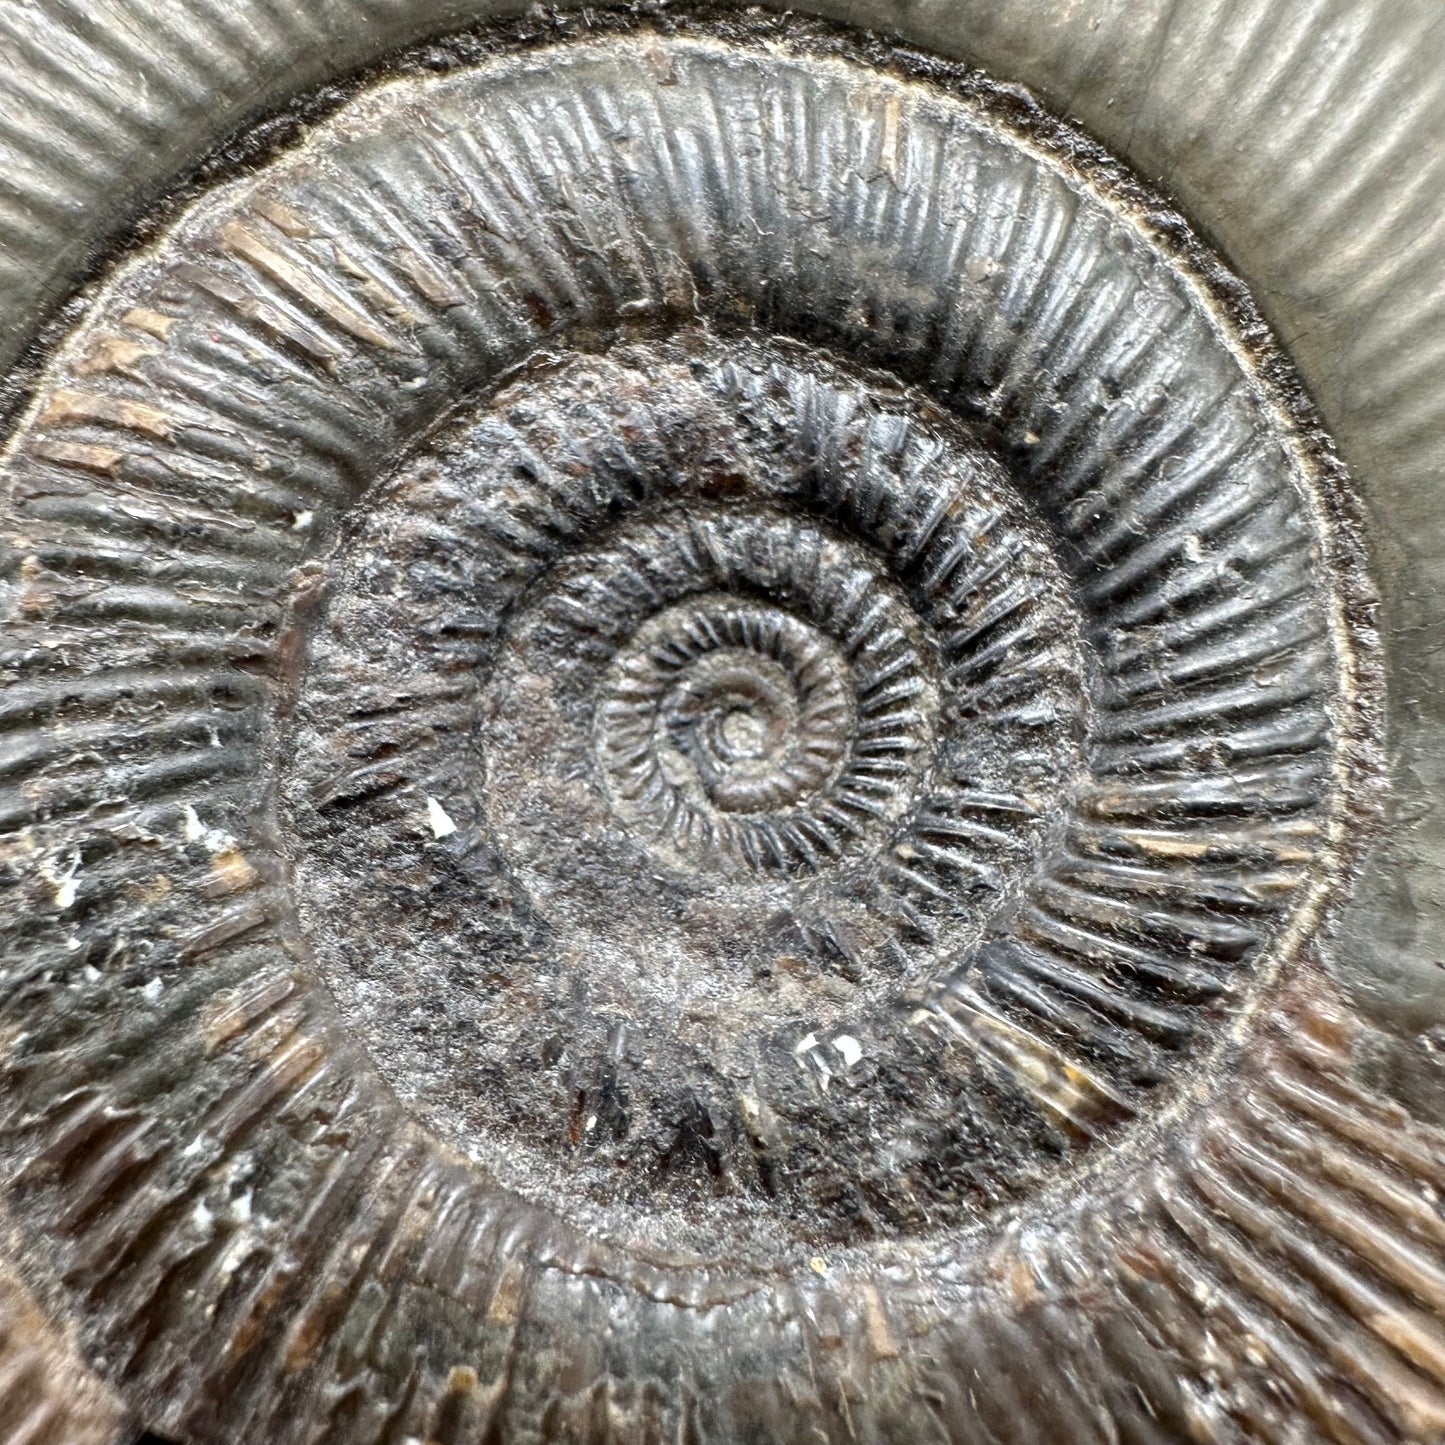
(850,1048)
(195,831)
(66,884)
(441,825)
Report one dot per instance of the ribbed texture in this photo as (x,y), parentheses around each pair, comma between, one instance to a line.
(48,1396)
(1302,137)
(1302,1234)
(263,1246)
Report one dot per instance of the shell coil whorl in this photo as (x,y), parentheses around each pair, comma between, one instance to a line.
(739,689)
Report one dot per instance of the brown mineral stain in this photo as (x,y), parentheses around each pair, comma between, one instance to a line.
(80,455)
(1326,1025)
(880,1337)
(302,280)
(155,323)
(152,891)
(1140,1260)
(35,596)
(230,873)
(1170,847)
(379,295)
(244,1337)
(310,1330)
(1412,1340)
(275,1040)
(229,1014)
(284,218)
(1020,1281)
(462,1380)
(118,354)
(221,1024)
(236,922)
(502,1308)
(427,279)
(249,1330)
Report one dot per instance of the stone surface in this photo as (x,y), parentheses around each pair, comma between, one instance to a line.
(691,714)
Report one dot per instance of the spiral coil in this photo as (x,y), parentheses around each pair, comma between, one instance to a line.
(711,675)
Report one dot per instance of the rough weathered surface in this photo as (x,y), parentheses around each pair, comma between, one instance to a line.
(1304,140)
(47,1392)
(684,713)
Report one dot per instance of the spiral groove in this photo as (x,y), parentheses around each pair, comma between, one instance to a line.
(748,730)
(732,666)
(764,730)
(742,706)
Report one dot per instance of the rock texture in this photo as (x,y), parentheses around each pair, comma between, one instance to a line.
(684,709)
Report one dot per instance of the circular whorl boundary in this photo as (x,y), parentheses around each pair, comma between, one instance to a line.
(368,445)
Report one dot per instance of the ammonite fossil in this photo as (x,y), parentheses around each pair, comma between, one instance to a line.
(691,708)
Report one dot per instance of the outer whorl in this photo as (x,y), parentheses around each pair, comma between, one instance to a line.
(680,714)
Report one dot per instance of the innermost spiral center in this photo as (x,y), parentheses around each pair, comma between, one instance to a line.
(722,706)
(744,735)
(733,727)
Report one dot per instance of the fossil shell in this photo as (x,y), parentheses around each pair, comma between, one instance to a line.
(687,712)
